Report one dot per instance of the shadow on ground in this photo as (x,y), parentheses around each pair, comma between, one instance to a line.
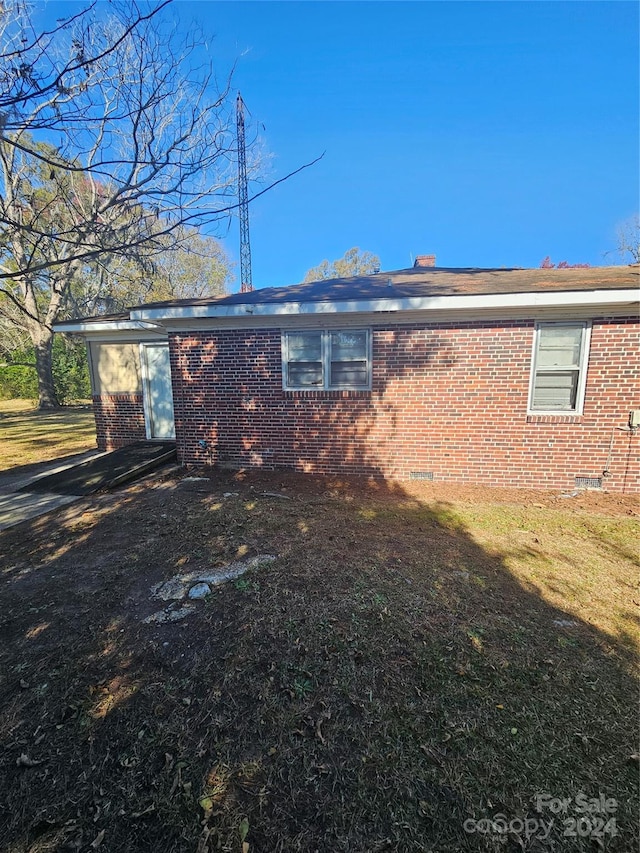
(384,685)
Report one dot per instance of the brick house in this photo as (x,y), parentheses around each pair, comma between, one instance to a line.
(503,377)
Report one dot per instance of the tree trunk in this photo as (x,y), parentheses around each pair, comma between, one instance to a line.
(43,343)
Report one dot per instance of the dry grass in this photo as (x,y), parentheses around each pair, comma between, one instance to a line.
(411,661)
(28,436)
(564,557)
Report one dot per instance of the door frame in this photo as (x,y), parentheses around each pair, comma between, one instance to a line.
(146,396)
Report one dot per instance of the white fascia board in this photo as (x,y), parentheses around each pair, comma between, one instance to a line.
(499,301)
(82,328)
(391,318)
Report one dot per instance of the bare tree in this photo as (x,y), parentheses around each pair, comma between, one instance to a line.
(113,141)
(628,239)
(139,144)
(33,73)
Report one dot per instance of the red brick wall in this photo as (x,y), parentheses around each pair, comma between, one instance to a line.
(447,399)
(119,420)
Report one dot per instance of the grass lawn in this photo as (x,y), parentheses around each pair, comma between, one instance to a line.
(412,663)
(28,435)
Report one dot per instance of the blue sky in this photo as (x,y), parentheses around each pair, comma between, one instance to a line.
(488,133)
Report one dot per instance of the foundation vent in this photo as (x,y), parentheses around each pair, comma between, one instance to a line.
(421,475)
(588,482)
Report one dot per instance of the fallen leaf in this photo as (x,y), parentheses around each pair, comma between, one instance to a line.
(206,804)
(319,734)
(97,841)
(25,761)
(148,810)
(244,829)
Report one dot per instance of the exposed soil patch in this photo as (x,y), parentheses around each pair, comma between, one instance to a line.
(415,658)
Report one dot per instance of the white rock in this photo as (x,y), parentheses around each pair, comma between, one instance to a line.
(171,590)
(234,570)
(169,615)
(260,560)
(197,585)
(200,590)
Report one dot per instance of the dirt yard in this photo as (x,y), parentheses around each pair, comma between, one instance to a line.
(412,666)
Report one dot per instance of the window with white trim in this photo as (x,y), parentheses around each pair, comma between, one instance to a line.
(326,360)
(558,374)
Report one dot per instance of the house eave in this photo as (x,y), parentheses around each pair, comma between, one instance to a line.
(83,327)
(486,302)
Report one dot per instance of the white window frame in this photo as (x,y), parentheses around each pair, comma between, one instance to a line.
(585,325)
(325,359)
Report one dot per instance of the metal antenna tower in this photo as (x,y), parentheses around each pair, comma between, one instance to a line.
(243,203)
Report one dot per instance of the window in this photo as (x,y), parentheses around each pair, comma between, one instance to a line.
(326,360)
(558,375)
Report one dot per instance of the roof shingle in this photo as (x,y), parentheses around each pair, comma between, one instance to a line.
(434,281)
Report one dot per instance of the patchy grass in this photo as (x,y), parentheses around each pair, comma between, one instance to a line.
(410,662)
(29,436)
(565,558)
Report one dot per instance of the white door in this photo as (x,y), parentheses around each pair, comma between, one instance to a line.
(158,397)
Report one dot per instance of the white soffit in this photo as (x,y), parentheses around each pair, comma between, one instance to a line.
(384,319)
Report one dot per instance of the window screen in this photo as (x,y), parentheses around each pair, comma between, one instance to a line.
(559,365)
(348,359)
(327,359)
(304,360)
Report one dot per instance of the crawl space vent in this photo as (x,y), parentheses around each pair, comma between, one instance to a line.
(588,482)
(421,475)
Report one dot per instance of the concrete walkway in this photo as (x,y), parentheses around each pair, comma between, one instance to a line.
(16,507)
